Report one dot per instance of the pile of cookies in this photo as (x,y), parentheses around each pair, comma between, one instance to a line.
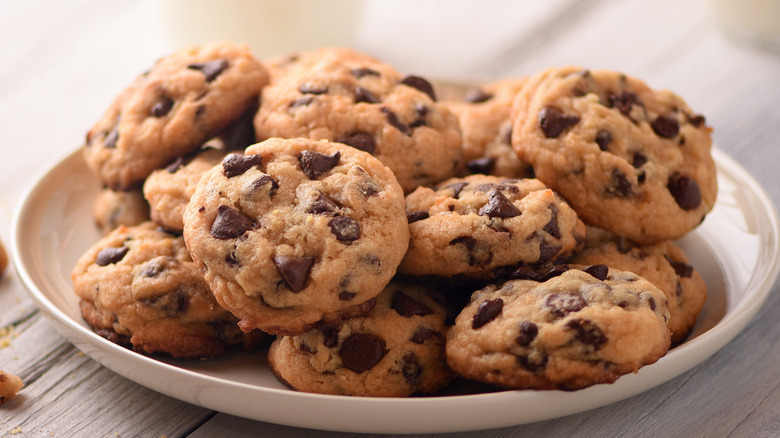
(385,241)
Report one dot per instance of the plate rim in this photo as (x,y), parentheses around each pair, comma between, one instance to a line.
(100,349)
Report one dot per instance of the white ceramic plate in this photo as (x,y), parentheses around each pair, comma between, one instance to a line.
(736,250)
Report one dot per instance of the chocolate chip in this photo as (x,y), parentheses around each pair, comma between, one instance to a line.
(533,363)
(309,88)
(696,120)
(680,268)
(684,190)
(600,272)
(322,205)
(456,188)
(547,250)
(361,351)
(364,95)
(621,186)
(111,139)
(588,333)
(563,303)
(552,227)
(111,255)
(330,336)
(666,127)
(481,165)
(527,333)
(393,120)
(603,139)
(172,304)
(487,311)
(638,160)
(314,164)
(162,107)
(477,95)
(360,140)
(237,164)
(157,266)
(407,306)
(175,166)
(411,370)
(624,101)
(301,101)
(422,335)
(420,84)
(294,270)
(210,69)
(230,223)
(232,260)
(344,228)
(264,180)
(417,216)
(499,206)
(468,241)
(347,296)
(554,122)
(363,71)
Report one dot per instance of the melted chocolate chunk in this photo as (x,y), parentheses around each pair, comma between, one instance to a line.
(603,139)
(410,369)
(162,107)
(230,223)
(363,71)
(407,306)
(210,69)
(499,206)
(624,101)
(547,250)
(395,122)
(232,260)
(684,190)
(666,127)
(344,228)
(330,336)
(552,227)
(347,296)
(314,164)
(600,272)
(527,333)
(417,216)
(696,120)
(587,333)
(111,139)
(362,351)
(533,363)
(638,160)
(563,303)
(360,140)
(481,165)
(294,270)
(309,88)
(456,187)
(524,272)
(621,186)
(108,256)
(301,101)
(477,95)
(421,84)
(322,205)
(157,266)
(364,95)
(468,241)
(175,166)
(172,304)
(680,268)
(487,311)
(422,335)
(264,180)
(554,122)
(237,164)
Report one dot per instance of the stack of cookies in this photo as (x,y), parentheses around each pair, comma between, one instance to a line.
(385,242)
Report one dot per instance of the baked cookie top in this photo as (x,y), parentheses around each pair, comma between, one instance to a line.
(395,351)
(139,287)
(664,264)
(632,160)
(111,209)
(471,226)
(571,331)
(185,99)
(297,231)
(487,129)
(341,95)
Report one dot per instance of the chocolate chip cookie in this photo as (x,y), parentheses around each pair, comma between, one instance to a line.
(664,264)
(341,95)
(297,232)
(487,128)
(112,209)
(631,160)
(169,111)
(582,327)
(471,226)
(395,351)
(139,288)
(9,386)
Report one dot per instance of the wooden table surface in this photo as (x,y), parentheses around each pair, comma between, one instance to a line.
(62,62)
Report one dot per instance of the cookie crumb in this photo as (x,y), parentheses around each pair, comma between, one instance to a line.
(16,430)
(9,386)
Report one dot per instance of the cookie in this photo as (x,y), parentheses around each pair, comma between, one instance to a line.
(664,264)
(169,190)
(139,288)
(112,209)
(629,159)
(486,129)
(475,225)
(341,95)
(3,259)
(574,330)
(395,351)
(169,111)
(297,232)
(9,386)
